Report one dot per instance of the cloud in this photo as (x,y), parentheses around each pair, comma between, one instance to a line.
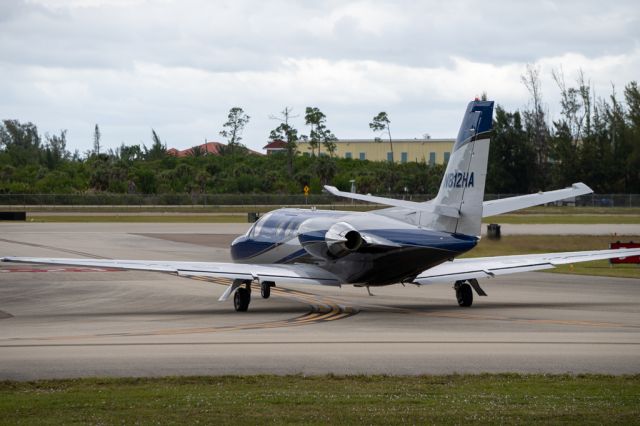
(178,66)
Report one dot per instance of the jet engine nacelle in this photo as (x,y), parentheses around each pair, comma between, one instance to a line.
(327,239)
(342,239)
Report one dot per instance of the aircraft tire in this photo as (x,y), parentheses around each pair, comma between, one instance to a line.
(265,289)
(241,299)
(464,294)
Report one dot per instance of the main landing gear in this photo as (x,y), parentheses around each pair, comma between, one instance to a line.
(242,296)
(464,291)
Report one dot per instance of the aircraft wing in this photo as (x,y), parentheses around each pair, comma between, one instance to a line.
(487,267)
(504,205)
(290,273)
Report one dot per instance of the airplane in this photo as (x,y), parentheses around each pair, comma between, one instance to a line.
(406,242)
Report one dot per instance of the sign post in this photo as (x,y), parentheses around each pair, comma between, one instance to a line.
(306,193)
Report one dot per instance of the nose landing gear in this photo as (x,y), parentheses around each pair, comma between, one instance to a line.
(265,288)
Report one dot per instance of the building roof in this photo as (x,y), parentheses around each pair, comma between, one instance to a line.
(276,144)
(209,148)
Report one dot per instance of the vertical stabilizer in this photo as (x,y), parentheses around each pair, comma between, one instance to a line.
(462,186)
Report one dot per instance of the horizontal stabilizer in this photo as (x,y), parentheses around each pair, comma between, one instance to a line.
(410,205)
(504,205)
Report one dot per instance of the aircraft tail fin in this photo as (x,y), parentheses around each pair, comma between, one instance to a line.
(462,187)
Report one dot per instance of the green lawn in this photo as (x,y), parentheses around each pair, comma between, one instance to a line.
(456,399)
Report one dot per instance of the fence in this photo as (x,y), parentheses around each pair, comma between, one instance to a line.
(204,200)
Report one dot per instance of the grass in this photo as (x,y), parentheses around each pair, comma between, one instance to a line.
(525,244)
(455,399)
(580,210)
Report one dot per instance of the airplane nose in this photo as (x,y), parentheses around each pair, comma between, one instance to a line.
(238,240)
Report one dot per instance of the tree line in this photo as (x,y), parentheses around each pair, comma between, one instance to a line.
(595,140)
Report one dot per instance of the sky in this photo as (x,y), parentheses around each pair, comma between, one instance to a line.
(179,66)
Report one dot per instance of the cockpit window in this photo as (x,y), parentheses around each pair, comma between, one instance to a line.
(279,225)
(256,229)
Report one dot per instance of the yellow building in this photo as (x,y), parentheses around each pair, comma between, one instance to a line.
(431,151)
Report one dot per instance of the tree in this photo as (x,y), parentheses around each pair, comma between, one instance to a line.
(381,123)
(56,149)
(328,140)
(96,140)
(510,168)
(21,142)
(536,126)
(128,154)
(325,168)
(575,104)
(196,151)
(632,97)
(236,120)
(158,149)
(319,134)
(287,133)
(315,118)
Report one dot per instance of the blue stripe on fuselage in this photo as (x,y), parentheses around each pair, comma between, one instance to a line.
(245,248)
(426,238)
(293,256)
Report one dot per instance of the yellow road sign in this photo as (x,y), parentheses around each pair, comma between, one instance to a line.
(306,190)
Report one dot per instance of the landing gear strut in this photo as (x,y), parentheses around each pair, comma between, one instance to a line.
(242,298)
(265,288)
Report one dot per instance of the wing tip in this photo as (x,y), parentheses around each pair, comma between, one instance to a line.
(331,189)
(582,186)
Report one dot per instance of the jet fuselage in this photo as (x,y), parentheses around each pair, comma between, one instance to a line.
(390,250)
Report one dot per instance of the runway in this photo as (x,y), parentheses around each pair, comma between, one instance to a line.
(72,322)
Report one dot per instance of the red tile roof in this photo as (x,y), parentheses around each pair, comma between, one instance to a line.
(277,144)
(209,148)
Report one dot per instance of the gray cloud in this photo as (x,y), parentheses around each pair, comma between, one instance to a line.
(178,66)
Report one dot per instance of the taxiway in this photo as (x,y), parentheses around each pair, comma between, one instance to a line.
(71,322)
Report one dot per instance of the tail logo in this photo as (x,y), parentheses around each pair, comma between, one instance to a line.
(459,180)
